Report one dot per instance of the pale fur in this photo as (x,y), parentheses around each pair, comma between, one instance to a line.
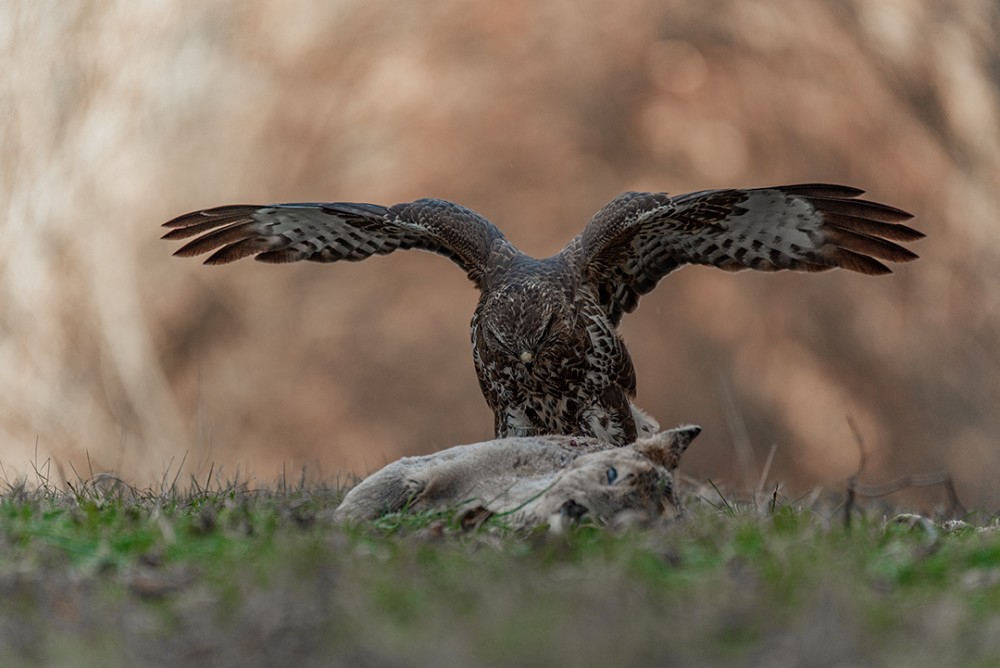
(530,480)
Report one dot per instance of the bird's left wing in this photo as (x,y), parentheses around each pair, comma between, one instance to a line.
(333,231)
(638,238)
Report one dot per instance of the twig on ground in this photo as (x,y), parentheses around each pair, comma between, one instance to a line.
(855,489)
(728,507)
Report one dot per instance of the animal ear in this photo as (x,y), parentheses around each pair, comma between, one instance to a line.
(667,447)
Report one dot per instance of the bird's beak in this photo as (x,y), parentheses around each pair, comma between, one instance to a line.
(527,357)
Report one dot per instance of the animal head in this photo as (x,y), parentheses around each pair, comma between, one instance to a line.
(521,319)
(637,478)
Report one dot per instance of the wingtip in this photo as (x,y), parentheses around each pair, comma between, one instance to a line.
(900,214)
(175,233)
(179,221)
(822,190)
(218,258)
(209,260)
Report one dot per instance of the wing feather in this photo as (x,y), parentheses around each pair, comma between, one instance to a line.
(239,230)
(638,238)
(335,231)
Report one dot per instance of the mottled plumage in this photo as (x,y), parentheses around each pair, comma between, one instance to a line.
(544,334)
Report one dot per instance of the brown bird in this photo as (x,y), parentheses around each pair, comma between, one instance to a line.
(544,334)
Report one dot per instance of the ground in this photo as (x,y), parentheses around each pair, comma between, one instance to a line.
(107,575)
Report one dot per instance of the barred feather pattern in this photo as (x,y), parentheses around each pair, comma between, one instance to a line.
(330,232)
(638,238)
(544,334)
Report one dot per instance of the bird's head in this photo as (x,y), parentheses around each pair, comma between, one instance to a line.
(521,320)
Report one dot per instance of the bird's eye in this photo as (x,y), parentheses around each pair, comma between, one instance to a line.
(612,474)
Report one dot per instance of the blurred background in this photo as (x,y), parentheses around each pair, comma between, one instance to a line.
(120,115)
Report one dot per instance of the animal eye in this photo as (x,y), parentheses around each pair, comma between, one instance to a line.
(612,475)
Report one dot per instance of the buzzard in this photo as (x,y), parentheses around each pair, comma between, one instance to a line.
(544,333)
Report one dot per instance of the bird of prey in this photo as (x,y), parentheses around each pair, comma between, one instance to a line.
(544,333)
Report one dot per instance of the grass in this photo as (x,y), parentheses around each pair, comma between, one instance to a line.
(108,575)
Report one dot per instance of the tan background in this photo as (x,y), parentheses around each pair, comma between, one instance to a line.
(120,115)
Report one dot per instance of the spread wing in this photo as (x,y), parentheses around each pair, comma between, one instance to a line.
(328,232)
(638,238)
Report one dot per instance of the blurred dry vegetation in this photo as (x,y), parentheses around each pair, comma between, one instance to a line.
(120,115)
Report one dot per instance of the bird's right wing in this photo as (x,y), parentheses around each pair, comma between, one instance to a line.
(329,232)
